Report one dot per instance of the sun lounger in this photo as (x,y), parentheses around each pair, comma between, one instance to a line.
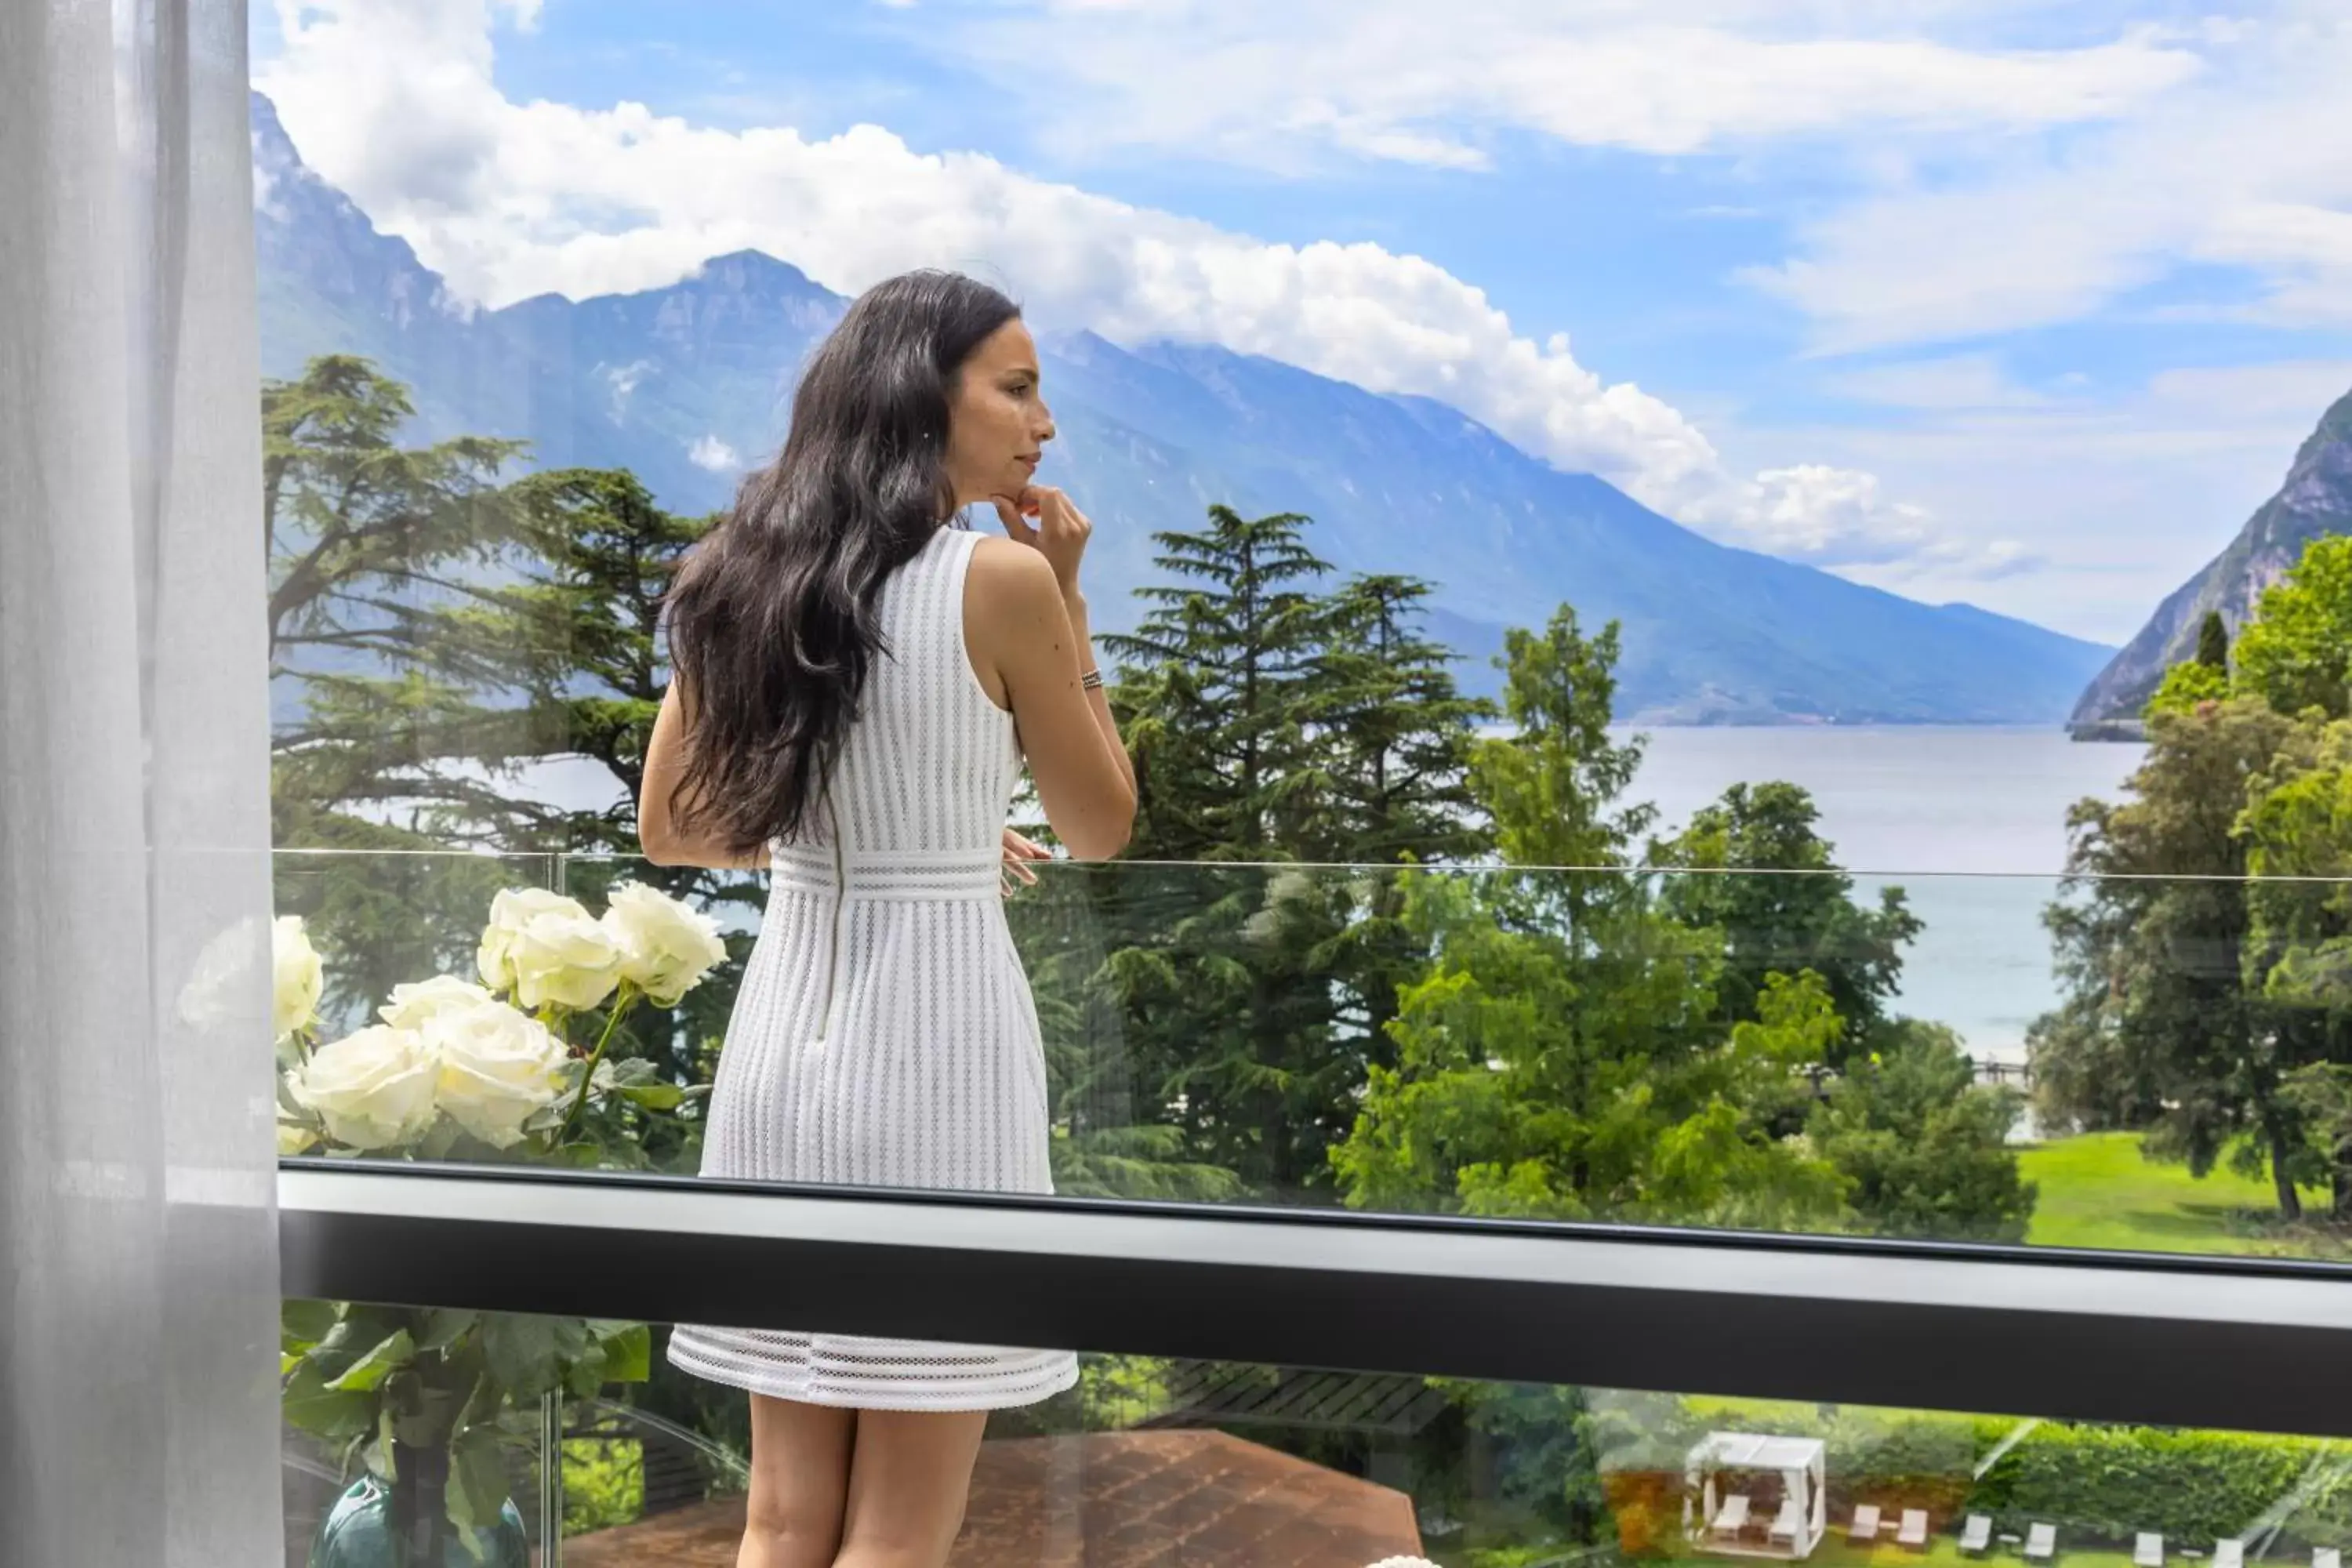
(1864,1528)
(2147,1550)
(2228,1554)
(2041,1543)
(1975,1535)
(1731,1518)
(1915,1528)
(1787,1522)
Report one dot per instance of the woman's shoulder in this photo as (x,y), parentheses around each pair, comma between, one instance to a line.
(1008,569)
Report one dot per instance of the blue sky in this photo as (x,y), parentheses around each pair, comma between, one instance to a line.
(2023,304)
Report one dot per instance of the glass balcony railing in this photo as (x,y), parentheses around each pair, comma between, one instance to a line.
(1224,1464)
(1989,1059)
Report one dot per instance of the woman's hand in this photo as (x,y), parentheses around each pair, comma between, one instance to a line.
(1059,534)
(1018,853)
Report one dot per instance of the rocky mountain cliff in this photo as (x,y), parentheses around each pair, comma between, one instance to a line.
(2315,500)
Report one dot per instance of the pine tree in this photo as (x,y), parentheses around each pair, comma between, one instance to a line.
(1215,686)
(2213,642)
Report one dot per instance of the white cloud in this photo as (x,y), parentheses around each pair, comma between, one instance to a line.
(1952,382)
(397,106)
(2247,167)
(713,455)
(1835,517)
(1406,80)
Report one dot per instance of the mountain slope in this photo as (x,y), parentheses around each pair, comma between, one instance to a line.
(689,384)
(2315,500)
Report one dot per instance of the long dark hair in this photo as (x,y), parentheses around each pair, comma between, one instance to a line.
(773,629)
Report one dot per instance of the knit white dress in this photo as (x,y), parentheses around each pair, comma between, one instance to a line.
(885,1035)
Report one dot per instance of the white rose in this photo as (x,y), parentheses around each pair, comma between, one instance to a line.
(666,947)
(296,976)
(411,1005)
(293,1138)
(541,947)
(499,1068)
(373,1089)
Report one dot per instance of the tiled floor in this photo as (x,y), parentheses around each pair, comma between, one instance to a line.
(1113,1499)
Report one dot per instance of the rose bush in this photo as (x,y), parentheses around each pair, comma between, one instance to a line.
(666,947)
(457,1069)
(296,974)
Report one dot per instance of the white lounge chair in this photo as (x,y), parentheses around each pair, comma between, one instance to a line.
(1975,1535)
(2147,1550)
(1731,1518)
(1915,1529)
(2041,1543)
(1864,1528)
(2327,1557)
(1787,1522)
(2228,1554)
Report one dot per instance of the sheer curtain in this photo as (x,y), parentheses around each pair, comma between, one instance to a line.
(138,1390)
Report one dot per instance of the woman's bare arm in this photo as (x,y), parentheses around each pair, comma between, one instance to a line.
(1032,638)
(664,842)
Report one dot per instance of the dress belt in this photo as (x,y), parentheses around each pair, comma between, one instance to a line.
(900,874)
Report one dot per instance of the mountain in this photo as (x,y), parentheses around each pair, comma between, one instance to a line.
(2315,500)
(689,384)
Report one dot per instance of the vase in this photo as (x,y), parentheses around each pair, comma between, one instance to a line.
(378,1523)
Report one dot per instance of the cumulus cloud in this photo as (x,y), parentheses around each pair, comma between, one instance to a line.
(1841,517)
(397,106)
(1404,80)
(713,455)
(2244,166)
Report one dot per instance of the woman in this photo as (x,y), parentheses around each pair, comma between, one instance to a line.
(857,682)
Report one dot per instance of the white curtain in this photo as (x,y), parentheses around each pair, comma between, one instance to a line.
(138,1394)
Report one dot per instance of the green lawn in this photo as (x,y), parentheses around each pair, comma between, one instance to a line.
(2096,1191)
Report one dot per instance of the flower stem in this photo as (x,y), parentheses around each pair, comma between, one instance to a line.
(621,1005)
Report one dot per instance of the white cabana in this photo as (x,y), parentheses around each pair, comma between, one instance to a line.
(1720,1512)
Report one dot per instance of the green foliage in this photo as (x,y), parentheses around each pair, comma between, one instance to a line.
(2213,642)
(1557,1058)
(1753,868)
(604,1483)
(374,1381)
(2115,1481)
(2187,686)
(2157,945)
(1240,1004)
(1925,1148)
(2295,653)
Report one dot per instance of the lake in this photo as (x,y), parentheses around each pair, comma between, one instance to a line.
(1970,821)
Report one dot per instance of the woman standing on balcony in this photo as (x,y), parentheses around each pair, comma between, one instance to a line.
(858,679)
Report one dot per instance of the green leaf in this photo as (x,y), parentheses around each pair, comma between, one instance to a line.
(653,1096)
(336,1414)
(444,1326)
(628,1351)
(584,1375)
(367,1373)
(477,1479)
(302,1324)
(523,1353)
(360,1330)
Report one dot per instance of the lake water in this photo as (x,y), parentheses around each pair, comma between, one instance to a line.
(1970,821)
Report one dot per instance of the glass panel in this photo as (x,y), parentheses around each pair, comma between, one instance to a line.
(1150,1460)
(1991,1059)
(416,1436)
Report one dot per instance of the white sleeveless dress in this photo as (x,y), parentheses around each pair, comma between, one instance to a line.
(885,1035)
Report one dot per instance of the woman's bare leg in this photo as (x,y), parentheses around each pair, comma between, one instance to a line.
(908,1482)
(799,1483)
